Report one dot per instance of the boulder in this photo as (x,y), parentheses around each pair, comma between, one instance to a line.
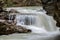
(13,11)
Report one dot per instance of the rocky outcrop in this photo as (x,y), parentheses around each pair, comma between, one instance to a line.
(6,28)
(13,11)
(53,9)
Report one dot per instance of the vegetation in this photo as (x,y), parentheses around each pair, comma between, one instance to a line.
(19,3)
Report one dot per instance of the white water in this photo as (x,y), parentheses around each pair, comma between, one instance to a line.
(35,19)
(43,26)
(38,22)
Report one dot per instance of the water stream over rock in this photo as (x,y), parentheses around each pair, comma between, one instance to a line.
(43,26)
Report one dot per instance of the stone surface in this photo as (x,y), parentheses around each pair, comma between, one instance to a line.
(13,11)
(57,37)
(6,28)
(8,25)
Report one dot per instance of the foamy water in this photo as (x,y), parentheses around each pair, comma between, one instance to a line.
(31,36)
(43,28)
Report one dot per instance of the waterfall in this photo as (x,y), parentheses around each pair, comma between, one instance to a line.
(43,27)
(11,18)
(36,20)
(37,23)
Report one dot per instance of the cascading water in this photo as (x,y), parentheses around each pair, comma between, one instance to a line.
(30,22)
(43,26)
(36,20)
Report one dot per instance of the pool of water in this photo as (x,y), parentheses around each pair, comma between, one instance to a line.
(30,36)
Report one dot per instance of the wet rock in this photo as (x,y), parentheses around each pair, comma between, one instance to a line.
(22,30)
(8,25)
(6,29)
(57,37)
(13,11)
(53,9)
(3,15)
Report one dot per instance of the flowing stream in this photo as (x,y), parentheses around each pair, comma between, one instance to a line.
(43,26)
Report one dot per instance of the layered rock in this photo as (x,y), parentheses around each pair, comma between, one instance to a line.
(6,28)
(8,25)
(13,11)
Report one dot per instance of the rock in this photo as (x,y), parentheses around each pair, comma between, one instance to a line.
(53,9)
(8,25)
(3,15)
(13,11)
(6,29)
(47,1)
(22,30)
(57,37)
